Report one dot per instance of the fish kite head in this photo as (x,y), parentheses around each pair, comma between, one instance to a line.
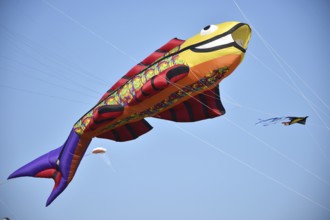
(217,46)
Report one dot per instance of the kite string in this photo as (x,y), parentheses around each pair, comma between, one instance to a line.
(299,91)
(293,89)
(60,75)
(42,94)
(235,103)
(51,83)
(277,151)
(277,58)
(258,139)
(301,79)
(286,82)
(254,169)
(89,30)
(247,164)
(324,154)
(266,144)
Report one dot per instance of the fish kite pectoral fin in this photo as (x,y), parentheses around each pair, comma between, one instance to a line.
(127,132)
(159,82)
(203,106)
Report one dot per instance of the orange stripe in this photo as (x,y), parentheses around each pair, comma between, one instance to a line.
(78,154)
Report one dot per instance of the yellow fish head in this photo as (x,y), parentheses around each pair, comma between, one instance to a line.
(215,47)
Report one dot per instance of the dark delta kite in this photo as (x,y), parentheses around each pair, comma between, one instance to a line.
(284,120)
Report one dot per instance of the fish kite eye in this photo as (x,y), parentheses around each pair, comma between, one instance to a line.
(208,29)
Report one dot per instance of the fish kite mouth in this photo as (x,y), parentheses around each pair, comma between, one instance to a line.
(238,37)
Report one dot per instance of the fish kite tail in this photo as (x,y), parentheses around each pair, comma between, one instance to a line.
(59,164)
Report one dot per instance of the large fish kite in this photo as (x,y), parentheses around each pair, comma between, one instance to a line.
(178,82)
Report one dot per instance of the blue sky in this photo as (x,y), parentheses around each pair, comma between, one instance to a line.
(57,58)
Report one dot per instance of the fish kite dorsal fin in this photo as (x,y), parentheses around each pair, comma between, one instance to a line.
(128,131)
(203,106)
(144,64)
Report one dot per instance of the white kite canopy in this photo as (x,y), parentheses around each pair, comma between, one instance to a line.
(99,150)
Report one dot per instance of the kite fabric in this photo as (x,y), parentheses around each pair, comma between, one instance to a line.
(288,120)
(293,120)
(178,82)
(99,150)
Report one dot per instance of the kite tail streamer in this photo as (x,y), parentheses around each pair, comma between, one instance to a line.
(59,164)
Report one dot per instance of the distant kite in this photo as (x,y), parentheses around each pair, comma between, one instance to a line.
(99,150)
(284,120)
(178,82)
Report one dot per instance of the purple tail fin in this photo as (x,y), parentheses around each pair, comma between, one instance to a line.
(56,165)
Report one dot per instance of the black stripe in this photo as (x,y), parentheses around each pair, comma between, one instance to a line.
(136,99)
(176,72)
(54,174)
(110,108)
(202,98)
(160,51)
(101,121)
(116,135)
(126,77)
(218,102)
(216,90)
(144,93)
(233,44)
(153,84)
(131,131)
(189,110)
(173,114)
(146,124)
